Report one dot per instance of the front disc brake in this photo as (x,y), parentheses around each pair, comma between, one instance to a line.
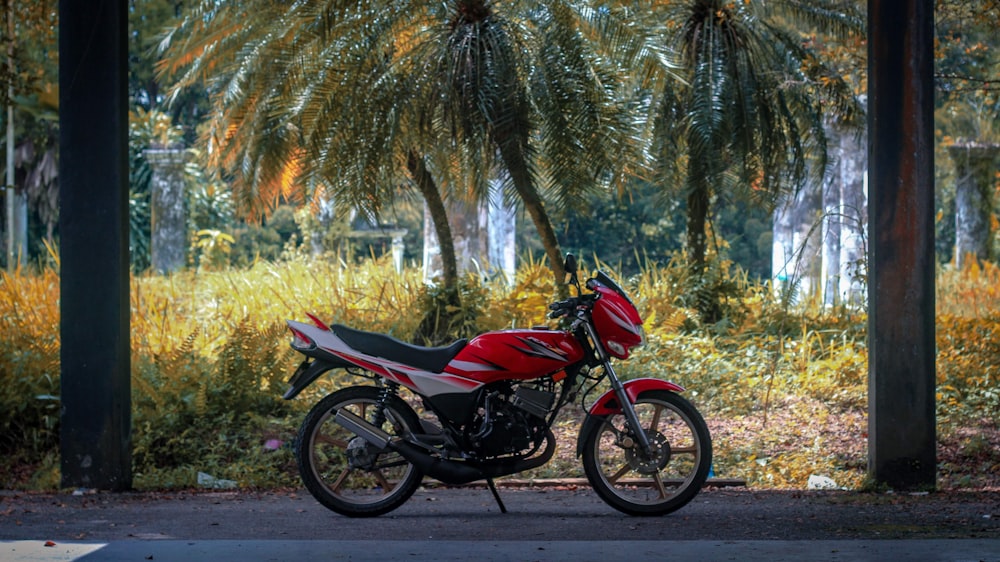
(660,449)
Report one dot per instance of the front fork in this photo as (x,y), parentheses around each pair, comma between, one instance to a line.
(628,409)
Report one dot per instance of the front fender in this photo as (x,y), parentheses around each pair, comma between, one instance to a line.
(607,404)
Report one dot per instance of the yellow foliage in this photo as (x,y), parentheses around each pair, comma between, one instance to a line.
(212,346)
(973,291)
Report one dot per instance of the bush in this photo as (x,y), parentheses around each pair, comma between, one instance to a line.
(783,389)
(968,365)
(29,372)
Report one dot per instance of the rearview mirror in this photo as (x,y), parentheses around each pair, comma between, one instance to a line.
(570,265)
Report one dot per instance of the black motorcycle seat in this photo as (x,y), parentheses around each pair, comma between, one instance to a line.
(433,359)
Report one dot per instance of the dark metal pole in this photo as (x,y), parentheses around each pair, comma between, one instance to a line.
(901,416)
(93,227)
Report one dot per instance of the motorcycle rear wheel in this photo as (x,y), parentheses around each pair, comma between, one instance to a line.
(344,472)
(667,480)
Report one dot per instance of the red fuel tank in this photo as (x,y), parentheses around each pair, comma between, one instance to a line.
(516,354)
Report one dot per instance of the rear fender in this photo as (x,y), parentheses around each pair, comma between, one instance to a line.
(307,373)
(608,404)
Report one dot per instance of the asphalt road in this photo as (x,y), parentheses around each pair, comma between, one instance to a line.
(465,523)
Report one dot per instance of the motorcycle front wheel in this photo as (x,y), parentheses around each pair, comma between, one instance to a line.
(649,484)
(342,470)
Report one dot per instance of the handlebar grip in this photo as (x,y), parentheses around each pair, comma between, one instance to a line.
(562,308)
(563,304)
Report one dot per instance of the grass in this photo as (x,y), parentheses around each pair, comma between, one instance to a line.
(783,389)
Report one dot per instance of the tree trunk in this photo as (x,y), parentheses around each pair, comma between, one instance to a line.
(697,218)
(467,220)
(704,287)
(17,206)
(797,255)
(512,153)
(439,217)
(536,209)
(445,305)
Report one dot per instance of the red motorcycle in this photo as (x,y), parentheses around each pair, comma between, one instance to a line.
(488,408)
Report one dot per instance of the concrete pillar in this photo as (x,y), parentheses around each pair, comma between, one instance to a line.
(853,169)
(169,227)
(483,233)
(975,166)
(796,255)
(832,220)
(468,223)
(398,250)
(502,235)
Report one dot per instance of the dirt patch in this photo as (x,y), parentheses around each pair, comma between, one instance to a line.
(799,437)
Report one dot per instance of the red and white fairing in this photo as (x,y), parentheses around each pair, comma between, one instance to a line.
(490,357)
(617,322)
(515,355)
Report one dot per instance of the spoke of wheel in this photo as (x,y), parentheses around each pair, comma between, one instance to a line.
(690,450)
(340,480)
(622,472)
(380,478)
(323,438)
(655,422)
(659,485)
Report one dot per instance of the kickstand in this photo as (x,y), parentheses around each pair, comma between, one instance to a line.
(496,496)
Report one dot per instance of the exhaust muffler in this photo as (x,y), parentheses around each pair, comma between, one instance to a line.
(449,472)
(367,431)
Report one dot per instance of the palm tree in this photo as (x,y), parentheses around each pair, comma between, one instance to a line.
(343,96)
(746,118)
(268,66)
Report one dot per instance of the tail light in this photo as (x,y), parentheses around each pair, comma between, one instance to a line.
(301,341)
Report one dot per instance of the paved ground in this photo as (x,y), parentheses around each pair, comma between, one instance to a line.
(464,523)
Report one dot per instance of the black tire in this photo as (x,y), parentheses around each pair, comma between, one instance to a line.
(657,486)
(374,481)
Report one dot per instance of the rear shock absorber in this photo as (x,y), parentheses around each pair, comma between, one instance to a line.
(386,391)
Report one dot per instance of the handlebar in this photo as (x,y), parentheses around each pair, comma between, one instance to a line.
(567,303)
(562,308)
(566,306)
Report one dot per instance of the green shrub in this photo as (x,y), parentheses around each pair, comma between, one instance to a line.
(29,371)
(968,365)
(783,388)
